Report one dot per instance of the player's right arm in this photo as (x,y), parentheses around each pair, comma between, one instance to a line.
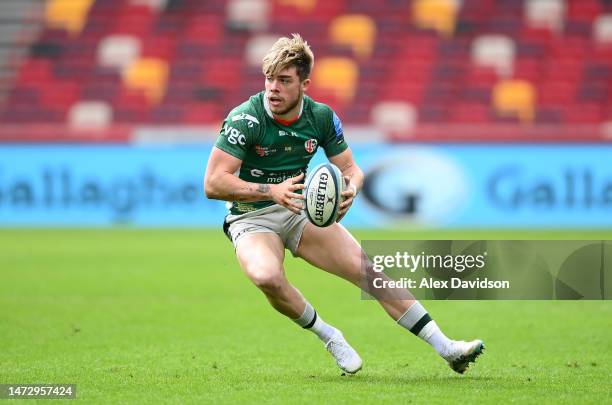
(220,183)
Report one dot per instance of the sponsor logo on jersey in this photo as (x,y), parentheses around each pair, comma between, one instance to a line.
(288,148)
(310,145)
(256,173)
(234,136)
(264,150)
(286,133)
(244,116)
(279,177)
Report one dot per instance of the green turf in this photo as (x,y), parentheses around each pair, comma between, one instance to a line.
(166,316)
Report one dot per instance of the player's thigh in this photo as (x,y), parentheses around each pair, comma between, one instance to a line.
(261,256)
(336,251)
(332,249)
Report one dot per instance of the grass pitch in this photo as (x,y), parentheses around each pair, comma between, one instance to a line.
(167,316)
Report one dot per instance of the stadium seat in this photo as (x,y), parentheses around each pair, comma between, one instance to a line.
(154,4)
(606,130)
(585,10)
(303,5)
(149,75)
(257,47)
(338,76)
(394,117)
(21,11)
(515,98)
(249,15)
(439,15)
(495,51)
(602,29)
(547,14)
(357,31)
(70,15)
(90,115)
(118,51)
(134,19)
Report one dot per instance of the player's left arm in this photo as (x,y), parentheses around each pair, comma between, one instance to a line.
(353,179)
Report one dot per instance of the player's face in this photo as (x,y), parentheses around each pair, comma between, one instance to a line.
(284,92)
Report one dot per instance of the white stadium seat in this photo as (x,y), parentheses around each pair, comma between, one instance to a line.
(118,51)
(90,115)
(153,4)
(394,117)
(495,51)
(249,15)
(548,14)
(257,47)
(602,29)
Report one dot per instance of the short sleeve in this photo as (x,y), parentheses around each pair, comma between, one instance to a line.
(236,135)
(334,142)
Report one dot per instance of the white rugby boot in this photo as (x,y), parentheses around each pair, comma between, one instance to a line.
(346,357)
(462,353)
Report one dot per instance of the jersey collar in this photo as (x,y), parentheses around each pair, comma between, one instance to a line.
(281,121)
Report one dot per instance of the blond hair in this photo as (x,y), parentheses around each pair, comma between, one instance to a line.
(287,52)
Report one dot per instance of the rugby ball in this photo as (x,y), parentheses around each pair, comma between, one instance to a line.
(324,186)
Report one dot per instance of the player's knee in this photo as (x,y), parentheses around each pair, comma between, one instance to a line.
(267,279)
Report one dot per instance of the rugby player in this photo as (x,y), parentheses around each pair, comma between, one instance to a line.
(258,164)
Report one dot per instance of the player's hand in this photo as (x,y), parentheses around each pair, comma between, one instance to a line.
(348,195)
(285,193)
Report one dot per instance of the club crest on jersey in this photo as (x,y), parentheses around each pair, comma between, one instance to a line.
(310,145)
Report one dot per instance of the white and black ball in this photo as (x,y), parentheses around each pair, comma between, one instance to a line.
(323,191)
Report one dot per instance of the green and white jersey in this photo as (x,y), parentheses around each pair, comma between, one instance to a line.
(272,152)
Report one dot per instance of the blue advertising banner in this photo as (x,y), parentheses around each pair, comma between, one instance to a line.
(406,186)
(487,185)
(105,185)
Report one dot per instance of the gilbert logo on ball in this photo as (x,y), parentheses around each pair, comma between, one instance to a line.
(323,191)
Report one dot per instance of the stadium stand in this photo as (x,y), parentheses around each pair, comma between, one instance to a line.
(453,70)
(440,15)
(515,98)
(118,51)
(303,5)
(70,15)
(336,77)
(496,52)
(394,117)
(545,14)
(150,75)
(356,31)
(90,115)
(257,47)
(248,15)
(602,29)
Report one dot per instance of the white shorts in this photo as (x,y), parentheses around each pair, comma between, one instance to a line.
(275,218)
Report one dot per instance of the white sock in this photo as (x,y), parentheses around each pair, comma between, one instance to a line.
(432,334)
(417,320)
(311,321)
